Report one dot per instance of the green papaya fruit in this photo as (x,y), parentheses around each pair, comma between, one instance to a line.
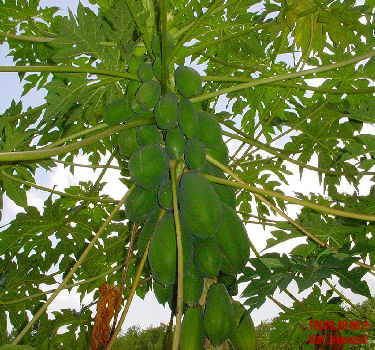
(195,154)
(117,112)
(134,63)
(175,143)
(187,118)
(209,130)
(219,152)
(163,294)
(226,267)
(148,94)
(127,142)
(192,334)
(162,255)
(243,334)
(156,67)
(230,283)
(143,115)
(193,285)
(156,45)
(207,256)
(233,239)
(134,105)
(199,205)
(227,194)
(166,111)
(146,232)
(187,248)
(218,315)
(140,204)
(145,72)
(148,134)
(188,81)
(165,195)
(148,166)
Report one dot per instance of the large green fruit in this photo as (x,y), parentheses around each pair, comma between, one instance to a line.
(145,72)
(219,152)
(162,256)
(117,112)
(218,315)
(164,294)
(227,194)
(127,142)
(146,232)
(148,166)
(243,333)
(166,111)
(195,154)
(193,286)
(230,283)
(156,67)
(232,238)
(175,143)
(192,335)
(148,134)
(140,204)
(187,248)
(199,204)
(209,130)
(188,81)
(207,256)
(148,94)
(187,118)
(165,195)
(156,45)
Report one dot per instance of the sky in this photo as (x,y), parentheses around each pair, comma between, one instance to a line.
(148,312)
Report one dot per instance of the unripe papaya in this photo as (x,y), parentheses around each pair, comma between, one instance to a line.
(156,45)
(193,285)
(165,195)
(192,334)
(175,143)
(209,130)
(188,81)
(207,256)
(187,248)
(162,255)
(140,204)
(187,118)
(134,63)
(148,166)
(233,239)
(127,142)
(219,152)
(218,315)
(148,134)
(199,204)
(163,294)
(156,67)
(146,232)
(243,333)
(230,283)
(195,154)
(227,194)
(148,94)
(166,111)
(131,89)
(145,72)
(117,112)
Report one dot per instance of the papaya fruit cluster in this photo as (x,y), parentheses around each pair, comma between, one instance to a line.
(215,243)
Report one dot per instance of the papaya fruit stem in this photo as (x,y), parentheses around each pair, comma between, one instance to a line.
(259,191)
(180,262)
(48,153)
(73,269)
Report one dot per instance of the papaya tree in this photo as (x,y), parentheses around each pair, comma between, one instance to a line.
(208,113)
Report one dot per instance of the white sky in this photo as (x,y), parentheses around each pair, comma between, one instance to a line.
(144,312)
